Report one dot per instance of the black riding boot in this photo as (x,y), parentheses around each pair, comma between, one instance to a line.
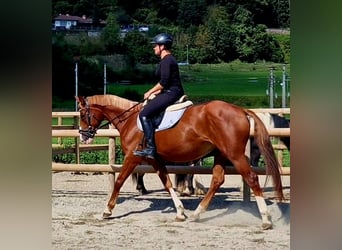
(150,150)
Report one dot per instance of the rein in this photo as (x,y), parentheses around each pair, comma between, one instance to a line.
(90,132)
(118,116)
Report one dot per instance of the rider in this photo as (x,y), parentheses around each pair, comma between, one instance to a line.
(168,90)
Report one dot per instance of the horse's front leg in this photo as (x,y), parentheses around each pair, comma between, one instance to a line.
(217,180)
(165,179)
(127,168)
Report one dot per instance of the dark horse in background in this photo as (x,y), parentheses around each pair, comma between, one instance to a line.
(184,182)
(215,126)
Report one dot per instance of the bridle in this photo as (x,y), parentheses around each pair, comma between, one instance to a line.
(91,131)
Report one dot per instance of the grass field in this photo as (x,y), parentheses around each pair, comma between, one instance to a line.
(234,79)
(212,81)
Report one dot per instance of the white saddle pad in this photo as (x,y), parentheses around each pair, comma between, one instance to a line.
(170,118)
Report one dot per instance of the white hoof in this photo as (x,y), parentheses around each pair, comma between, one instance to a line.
(266,226)
(199,191)
(266,221)
(181,218)
(200,188)
(106,213)
(194,218)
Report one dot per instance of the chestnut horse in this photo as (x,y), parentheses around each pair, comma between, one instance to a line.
(215,126)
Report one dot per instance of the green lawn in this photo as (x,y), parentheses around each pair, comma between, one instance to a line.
(218,79)
(214,81)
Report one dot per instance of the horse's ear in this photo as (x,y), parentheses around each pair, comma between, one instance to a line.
(80,100)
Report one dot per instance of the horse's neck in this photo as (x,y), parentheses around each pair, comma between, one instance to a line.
(119,117)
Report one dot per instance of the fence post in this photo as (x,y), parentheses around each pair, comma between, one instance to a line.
(77,144)
(111,161)
(283,85)
(59,122)
(271,87)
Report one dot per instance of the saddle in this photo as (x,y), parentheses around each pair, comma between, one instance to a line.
(170,116)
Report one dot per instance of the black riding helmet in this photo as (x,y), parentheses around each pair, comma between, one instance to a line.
(163,39)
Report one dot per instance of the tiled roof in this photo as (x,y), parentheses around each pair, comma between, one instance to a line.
(73,18)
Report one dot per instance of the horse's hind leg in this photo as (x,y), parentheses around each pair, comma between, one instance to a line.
(140,184)
(184,184)
(189,188)
(180,182)
(251,178)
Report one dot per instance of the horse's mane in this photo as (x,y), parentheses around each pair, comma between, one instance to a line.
(113,100)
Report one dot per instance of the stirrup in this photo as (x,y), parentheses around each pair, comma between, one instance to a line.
(146,152)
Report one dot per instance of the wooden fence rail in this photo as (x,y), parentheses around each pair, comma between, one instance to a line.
(172,169)
(281,111)
(111,133)
(115,132)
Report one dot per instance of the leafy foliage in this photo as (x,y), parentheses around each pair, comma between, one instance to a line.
(137,51)
(191,13)
(110,35)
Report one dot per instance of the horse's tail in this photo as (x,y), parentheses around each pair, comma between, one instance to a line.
(263,141)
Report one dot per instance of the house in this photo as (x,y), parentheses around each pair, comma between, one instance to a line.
(69,22)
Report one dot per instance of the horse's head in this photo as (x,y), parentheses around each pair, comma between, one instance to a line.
(90,119)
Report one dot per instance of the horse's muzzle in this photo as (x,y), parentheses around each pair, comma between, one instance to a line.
(87,136)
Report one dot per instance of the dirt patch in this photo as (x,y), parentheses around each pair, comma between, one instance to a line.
(147,222)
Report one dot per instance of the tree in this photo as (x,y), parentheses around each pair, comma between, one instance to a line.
(191,12)
(284,43)
(61,7)
(220,33)
(137,48)
(252,42)
(281,12)
(141,15)
(243,30)
(167,10)
(90,77)
(110,34)
(204,50)
(90,46)
(152,17)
